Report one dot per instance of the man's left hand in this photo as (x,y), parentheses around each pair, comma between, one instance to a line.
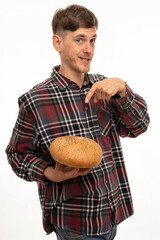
(105,89)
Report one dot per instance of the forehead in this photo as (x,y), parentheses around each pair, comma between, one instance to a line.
(85,32)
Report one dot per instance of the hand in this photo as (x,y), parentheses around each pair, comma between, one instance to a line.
(105,89)
(61,173)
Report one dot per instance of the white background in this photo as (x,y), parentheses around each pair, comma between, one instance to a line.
(128,46)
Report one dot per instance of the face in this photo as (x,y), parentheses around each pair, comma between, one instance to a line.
(77,50)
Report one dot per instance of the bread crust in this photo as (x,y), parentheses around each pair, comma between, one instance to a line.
(75,151)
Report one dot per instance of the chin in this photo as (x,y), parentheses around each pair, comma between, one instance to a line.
(85,69)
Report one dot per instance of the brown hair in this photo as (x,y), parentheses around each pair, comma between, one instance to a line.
(72,18)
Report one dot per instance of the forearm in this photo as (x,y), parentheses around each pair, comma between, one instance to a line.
(27,166)
(131,112)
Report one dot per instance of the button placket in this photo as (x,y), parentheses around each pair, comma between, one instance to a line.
(87,111)
(86,108)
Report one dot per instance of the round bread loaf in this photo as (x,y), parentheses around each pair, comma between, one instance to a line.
(74,151)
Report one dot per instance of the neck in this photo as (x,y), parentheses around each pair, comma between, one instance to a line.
(76,77)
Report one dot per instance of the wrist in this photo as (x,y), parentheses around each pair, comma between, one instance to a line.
(122,90)
(49,173)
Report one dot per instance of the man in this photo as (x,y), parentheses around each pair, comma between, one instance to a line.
(77,203)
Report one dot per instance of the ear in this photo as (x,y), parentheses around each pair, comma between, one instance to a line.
(57,42)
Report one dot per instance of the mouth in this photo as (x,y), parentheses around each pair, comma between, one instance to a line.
(85,60)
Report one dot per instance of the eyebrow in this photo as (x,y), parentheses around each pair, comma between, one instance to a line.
(83,36)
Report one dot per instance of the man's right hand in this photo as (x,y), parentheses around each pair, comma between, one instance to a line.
(61,173)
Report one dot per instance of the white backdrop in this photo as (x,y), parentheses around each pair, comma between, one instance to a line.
(128,46)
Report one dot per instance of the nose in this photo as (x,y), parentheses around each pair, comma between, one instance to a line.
(87,47)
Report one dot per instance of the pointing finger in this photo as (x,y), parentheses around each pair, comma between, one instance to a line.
(90,93)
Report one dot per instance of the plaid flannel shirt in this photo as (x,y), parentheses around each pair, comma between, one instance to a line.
(56,108)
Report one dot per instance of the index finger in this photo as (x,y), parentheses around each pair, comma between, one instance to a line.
(90,93)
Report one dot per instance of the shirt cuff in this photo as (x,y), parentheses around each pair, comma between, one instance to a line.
(38,175)
(125,102)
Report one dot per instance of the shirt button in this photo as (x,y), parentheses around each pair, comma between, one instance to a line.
(114,226)
(73,84)
(110,200)
(86,108)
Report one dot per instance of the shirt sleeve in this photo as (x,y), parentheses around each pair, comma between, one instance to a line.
(130,114)
(21,150)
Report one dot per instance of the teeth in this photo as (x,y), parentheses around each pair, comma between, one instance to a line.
(85,59)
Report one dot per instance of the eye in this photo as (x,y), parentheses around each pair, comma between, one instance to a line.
(93,40)
(79,40)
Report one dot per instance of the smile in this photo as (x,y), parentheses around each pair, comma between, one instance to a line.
(85,60)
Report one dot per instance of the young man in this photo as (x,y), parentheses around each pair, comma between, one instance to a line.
(77,203)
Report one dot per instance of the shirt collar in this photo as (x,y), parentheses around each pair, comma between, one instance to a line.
(62,82)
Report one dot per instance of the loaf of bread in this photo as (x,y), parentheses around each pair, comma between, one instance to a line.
(74,151)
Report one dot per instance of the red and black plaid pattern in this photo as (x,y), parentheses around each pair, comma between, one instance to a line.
(56,108)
